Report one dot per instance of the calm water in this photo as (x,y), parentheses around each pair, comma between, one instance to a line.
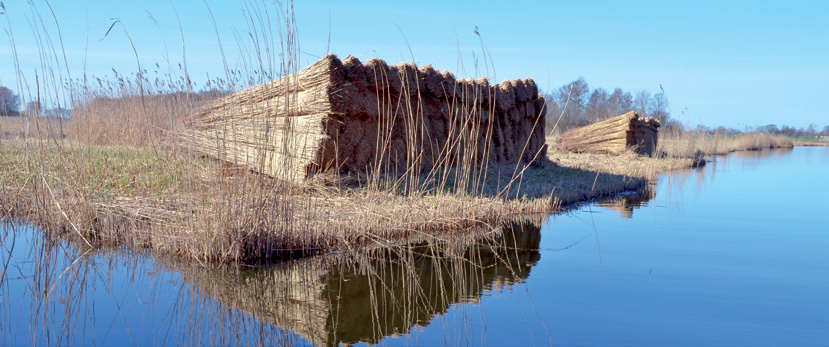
(736,253)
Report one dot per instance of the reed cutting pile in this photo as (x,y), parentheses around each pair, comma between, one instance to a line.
(372,118)
(613,136)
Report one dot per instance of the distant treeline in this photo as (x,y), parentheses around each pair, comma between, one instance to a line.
(574,105)
(10,102)
(584,107)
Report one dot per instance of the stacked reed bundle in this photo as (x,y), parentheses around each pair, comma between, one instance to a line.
(372,117)
(613,136)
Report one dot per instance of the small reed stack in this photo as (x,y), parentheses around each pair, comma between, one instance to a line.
(613,136)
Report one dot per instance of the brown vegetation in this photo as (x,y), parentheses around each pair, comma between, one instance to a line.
(17,128)
(690,144)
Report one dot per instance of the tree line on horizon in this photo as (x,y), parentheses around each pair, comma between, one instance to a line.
(10,107)
(583,107)
(574,105)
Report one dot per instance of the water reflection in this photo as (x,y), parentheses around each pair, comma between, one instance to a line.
(676,181)
(763,153)
(55,293)
(368,296)
(726,271)
(626,203)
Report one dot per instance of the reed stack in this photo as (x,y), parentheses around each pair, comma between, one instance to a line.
(613,136)
(348,116)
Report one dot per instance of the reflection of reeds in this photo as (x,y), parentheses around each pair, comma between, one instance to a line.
(51,278)
(365,296)
(625,204)
(75,294)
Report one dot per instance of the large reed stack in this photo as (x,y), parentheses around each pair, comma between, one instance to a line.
(359,117)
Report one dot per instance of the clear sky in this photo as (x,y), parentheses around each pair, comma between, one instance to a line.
(731,63)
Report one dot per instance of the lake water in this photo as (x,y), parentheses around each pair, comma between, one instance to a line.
(735,253)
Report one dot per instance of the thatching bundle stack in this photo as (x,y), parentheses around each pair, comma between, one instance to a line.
(614,136)
(354,116)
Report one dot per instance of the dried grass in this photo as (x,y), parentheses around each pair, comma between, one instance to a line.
(689,144)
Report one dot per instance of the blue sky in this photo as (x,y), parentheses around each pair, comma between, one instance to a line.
(721,63)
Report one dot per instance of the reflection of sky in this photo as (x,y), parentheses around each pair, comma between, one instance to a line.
(733,253)
(741,261)
(109,299)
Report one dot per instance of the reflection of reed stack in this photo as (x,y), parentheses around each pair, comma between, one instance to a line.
(613,136)
(625,204)
(364,296)
(372,117)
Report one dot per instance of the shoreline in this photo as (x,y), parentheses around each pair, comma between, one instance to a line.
(197,209)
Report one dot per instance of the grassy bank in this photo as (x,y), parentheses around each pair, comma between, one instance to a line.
(197,208)
(18,128)
(810,141)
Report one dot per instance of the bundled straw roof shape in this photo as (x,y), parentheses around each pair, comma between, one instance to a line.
(614,136)
(353,116)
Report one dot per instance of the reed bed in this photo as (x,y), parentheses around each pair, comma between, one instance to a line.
(200,209)
(18,128)
(689,144)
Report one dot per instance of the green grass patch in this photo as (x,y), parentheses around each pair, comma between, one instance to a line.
(103,171)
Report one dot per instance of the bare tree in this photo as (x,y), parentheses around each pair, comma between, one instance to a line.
(811,130)
(598,107)
(9,102)
(575,94)
(641,103)
(578,106)
(620,102)
(33,108)
(553,112)
(659,107)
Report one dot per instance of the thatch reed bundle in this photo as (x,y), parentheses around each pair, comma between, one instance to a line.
(371,117)
(614,136)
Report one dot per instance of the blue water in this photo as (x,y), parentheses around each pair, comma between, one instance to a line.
(734,253)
